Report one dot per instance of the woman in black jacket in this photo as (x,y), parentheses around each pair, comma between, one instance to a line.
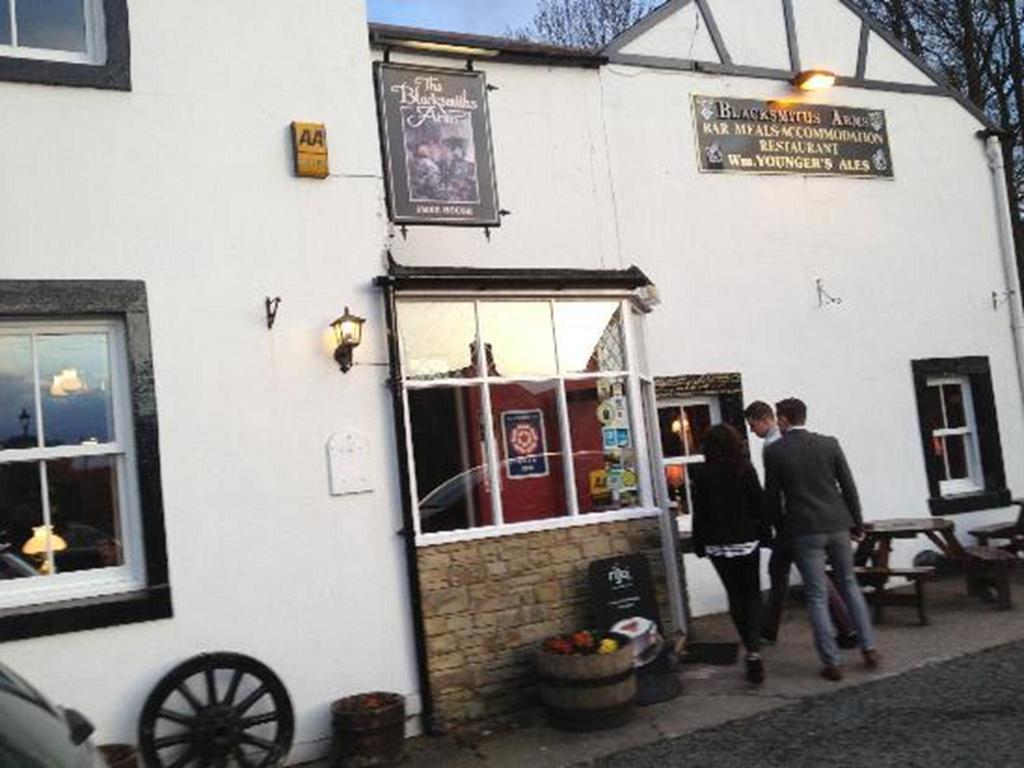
(729,526)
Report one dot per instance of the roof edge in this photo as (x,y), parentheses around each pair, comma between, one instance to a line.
(504,49)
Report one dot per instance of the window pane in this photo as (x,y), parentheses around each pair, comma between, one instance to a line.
(74,373)
(17,400)
(519,336)
(5,23)
(452,479)
(932,407)
(670,424)
(21,511)
(953,394)
(956,457)
(603,451)
(55,24)
(696,423)
(84,511)
(438,339)
(527,427)
(589,336)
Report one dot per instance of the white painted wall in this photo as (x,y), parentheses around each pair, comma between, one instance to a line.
(186,183)
(736,257)
(754,31)
(681,34)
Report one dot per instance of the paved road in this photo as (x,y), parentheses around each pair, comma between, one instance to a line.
(966,712)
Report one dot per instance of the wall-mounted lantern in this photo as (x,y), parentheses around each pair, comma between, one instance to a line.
(348,332)
(815,80)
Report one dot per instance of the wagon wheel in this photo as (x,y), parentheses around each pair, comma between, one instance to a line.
(217,710)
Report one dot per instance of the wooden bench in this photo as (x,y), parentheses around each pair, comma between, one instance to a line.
(988,569)
(1012,532)
(877,577)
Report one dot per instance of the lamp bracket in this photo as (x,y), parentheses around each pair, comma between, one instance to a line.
(824,297)
(1001,297)
(271,305)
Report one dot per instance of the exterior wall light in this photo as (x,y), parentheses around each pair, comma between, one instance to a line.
(348,332)
(815,80)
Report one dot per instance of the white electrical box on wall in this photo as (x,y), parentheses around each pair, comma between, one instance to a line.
(348,463)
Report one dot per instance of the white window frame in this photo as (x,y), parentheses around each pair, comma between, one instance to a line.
(95,38)
(647,506)
(679,403)
(130,575)
(974,481)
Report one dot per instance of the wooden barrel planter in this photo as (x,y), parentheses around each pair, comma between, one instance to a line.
(119,755)
(369,730)
(588,691)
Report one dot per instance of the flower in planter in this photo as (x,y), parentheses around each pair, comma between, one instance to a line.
(583,643)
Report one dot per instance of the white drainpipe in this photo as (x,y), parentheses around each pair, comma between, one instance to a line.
(1013,297)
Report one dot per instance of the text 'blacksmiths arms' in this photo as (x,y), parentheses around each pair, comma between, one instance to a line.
(750,136)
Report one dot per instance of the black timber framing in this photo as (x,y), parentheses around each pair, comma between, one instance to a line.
(716,34)
(862,50)
(791,41)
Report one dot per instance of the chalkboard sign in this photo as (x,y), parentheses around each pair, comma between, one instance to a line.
(620,588)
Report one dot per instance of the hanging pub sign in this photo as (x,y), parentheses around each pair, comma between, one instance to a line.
(749,136)
(525,444)
(436,140)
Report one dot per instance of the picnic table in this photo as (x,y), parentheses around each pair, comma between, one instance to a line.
(987,568)
(873,553)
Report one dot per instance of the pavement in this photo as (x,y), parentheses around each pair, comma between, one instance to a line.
(913,657)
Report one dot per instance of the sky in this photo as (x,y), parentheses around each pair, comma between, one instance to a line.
(482,17)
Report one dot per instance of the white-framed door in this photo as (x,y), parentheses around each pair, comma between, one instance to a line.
(682,424)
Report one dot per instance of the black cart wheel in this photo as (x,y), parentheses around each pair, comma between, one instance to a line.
(217,710)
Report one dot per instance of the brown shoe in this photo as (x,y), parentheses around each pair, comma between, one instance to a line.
(832,672)
(871,659)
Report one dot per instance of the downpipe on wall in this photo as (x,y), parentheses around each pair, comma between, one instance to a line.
(993,145)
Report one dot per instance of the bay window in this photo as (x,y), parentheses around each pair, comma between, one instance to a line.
(521,412)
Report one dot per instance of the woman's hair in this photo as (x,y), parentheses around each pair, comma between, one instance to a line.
(723,445)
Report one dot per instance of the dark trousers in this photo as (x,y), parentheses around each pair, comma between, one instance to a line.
(779,566)
(741,577)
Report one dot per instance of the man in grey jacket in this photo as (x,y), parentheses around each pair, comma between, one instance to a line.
(809,473)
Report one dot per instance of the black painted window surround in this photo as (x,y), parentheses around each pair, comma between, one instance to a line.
(125,300)
(994,493)
(113,74)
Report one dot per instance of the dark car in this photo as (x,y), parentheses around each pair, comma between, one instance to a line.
(36,734)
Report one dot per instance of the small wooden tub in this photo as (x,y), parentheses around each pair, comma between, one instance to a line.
(588,692)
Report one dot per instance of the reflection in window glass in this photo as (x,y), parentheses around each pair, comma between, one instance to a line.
(452,480)
(932,408)
(5,23)
(603,446)
(17,400)
(21,514)
(956,457)
(438,339)
(528,431)
(670,425)
(84,511)
(57,25)
(74,371)
(518,336)
(953,397)
(589,336)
